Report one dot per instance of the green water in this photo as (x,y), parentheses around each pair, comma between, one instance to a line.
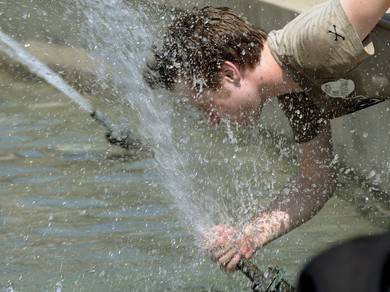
(76,211)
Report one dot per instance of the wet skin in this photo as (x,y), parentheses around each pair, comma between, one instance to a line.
(221,104)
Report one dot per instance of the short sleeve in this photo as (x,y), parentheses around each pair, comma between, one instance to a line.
(305,118)
(320,43)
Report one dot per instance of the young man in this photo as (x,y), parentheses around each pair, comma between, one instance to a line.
(330,61)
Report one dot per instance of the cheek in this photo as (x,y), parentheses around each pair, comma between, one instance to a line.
(245,110)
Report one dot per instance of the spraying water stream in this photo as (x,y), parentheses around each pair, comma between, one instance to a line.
(121,36)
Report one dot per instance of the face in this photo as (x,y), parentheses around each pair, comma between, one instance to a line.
(240,104)
(236,100)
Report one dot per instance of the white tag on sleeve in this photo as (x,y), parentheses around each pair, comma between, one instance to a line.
(339,88)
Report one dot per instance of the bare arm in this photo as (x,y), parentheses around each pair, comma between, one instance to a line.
(297,203)
(364,14)
(304,196)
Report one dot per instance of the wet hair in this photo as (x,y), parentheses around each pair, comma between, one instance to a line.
(196,44)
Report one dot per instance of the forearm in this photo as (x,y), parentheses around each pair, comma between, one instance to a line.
(365,14)
(293,206)
(303,196)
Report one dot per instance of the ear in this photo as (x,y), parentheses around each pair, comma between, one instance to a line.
(231,73)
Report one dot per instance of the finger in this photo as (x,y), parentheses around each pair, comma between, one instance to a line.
(225,259)
(247,249)
(222,249)
(232,265)
(217,253)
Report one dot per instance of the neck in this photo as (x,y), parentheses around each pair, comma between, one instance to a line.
(271,79)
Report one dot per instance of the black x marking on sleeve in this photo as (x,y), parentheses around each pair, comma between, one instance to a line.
(336,34)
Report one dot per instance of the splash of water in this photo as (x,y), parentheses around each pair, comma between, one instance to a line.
(121,35)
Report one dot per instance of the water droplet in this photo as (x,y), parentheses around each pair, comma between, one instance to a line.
(58,287)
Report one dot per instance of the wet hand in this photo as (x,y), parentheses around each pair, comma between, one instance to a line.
(227,245)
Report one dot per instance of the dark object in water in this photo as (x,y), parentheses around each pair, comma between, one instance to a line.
(120,137)
(124,138)
(268,281)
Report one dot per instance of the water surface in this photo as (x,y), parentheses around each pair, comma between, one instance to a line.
(76,211)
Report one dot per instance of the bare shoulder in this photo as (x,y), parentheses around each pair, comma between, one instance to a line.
(364,14)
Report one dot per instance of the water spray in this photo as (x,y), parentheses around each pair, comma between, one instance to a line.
(268,281)
(115,134)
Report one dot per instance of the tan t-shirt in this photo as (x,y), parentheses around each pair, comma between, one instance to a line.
(339,74)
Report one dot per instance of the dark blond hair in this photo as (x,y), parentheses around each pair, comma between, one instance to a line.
(196,44)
